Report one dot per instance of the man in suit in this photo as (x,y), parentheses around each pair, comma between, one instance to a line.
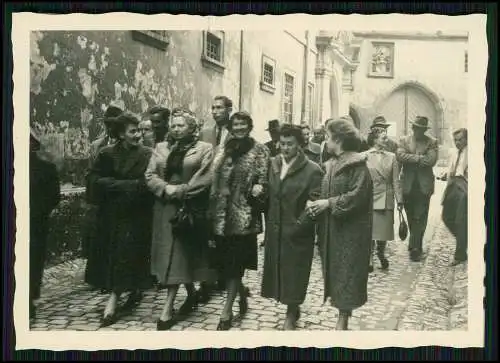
(217,135)
(454,201)
(311,149)
(105,139)
(417,153)
(44,196)
(273,127)
(159,117)
(381,122)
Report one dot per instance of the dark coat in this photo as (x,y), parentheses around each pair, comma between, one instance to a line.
(44,197)
(417,159)
(116,185)
(273,148)
(313,151)
(345,230)
(289,237)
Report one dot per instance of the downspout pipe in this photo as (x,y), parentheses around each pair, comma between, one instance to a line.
(240,101)
(305,79)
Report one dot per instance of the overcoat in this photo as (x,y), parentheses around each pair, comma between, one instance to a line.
(175,261)
(120,258)
(345,231)
(44,195)
(289,235)
(417,158)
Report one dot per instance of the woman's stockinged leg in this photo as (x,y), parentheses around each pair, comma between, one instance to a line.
(233,286)
(168,308)
(112,303)
(292,315)
(343,320)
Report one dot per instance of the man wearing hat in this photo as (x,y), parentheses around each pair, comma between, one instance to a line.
(44,197)
(417,153)
(105,139)
(273,128)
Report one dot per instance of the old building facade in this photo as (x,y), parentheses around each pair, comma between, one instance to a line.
(401,75)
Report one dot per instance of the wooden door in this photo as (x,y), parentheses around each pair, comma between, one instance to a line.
(403,105)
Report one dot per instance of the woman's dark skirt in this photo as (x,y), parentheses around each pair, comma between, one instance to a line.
(235,254)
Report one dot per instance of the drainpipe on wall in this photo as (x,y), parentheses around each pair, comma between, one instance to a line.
(305,79)
(240,103)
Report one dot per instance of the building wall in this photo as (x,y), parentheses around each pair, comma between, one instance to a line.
(435,64)
(76,75)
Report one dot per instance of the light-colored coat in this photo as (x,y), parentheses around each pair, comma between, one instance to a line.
(417,159)
(384,170)
(173,261)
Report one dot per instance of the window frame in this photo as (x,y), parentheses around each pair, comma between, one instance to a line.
(215,64)
(283,112)
(265,86)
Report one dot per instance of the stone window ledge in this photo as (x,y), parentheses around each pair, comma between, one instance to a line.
(267,87)
(212,63)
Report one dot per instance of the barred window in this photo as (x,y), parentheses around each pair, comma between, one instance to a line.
(288,99)
(268,74)
(214,47)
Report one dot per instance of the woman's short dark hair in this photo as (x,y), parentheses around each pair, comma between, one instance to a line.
(346,133)
(240,115)
(120,123)
(373,134)
(288,130)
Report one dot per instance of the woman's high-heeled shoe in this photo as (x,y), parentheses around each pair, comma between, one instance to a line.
(108,320)
(162,325)
(243,303)
(225,324)
(189,305)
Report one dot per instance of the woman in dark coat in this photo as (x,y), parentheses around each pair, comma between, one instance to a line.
(293,181)
(236,200)
(345,212)
(179,176)
(118,187)
(45,194)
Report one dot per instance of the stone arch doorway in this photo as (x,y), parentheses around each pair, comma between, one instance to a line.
(405,102)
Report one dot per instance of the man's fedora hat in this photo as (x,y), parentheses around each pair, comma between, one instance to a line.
(379,121)
(421,122)
(273,125)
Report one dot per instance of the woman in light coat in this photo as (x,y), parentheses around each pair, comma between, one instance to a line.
(179,176)
(384,170)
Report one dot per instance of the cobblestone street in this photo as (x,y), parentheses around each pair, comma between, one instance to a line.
(427,295)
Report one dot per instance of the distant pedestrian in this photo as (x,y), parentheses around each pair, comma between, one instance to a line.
(239,185)
(311,149)
(454,201)
(384,170)
(417,153)
(117,186)
(274,144)
(345,212)
(44,195)
(294,180)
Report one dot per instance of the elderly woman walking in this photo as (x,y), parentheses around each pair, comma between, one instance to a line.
(179,176)
(345,215)
(117,186)
(384,170)
(237,199)
(294,180)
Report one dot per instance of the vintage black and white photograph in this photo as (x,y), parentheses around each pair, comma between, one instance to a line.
(225,179)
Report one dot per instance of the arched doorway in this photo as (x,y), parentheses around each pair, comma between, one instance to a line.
(405,103)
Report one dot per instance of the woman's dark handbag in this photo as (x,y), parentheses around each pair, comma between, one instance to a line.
(182,222)
(403,226)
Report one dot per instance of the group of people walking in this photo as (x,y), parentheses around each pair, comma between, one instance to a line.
(173,204)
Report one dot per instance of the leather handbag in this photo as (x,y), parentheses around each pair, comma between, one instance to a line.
(403,226)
